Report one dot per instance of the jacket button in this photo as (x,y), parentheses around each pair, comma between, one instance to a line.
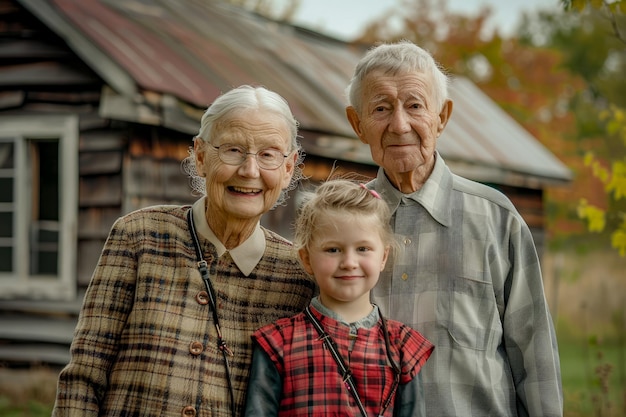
(202,298)
(196,348)
(188,411)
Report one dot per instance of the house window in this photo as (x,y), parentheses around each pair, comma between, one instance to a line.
(38,206)
(7,208)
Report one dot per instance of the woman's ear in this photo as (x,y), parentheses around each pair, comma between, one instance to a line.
(290,167)
(306,260)
(199,151)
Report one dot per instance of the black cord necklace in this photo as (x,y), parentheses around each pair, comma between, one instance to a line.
(344,369)
(221,344)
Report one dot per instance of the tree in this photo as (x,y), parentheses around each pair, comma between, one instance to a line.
(525,79)
(607,99)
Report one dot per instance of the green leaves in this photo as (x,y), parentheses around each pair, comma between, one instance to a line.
(595,216)
(612,175)
(579,5)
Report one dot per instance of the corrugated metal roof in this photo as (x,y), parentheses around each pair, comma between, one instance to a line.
(189,51)
(196,49)
(489,141)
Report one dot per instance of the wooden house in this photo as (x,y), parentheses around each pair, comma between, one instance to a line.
(100,99)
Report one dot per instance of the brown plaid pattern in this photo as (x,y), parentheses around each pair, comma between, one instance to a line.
(312,383)
(145,341)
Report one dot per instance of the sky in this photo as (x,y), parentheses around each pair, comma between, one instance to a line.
(344,19)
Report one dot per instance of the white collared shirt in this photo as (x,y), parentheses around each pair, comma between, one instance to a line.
(246,256)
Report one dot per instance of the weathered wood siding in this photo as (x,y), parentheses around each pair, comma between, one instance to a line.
(123,166)
(39,74)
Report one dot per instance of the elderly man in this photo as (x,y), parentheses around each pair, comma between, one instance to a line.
(467,274)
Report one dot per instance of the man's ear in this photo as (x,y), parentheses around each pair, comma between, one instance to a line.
(444,116)
(355,121)
(306,260)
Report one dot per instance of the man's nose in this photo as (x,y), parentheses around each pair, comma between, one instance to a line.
(399,122)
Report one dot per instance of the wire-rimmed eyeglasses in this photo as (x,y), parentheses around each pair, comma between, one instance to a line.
(267,158)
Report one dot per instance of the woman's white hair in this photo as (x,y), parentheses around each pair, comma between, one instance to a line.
(245,97)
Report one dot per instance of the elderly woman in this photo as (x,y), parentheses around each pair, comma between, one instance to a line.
(166,321)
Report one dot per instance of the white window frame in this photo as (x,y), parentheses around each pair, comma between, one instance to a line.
(19,283)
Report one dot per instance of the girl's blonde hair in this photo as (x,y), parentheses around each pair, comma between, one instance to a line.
(341,196)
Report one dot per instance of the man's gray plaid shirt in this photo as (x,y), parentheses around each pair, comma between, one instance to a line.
(467,276)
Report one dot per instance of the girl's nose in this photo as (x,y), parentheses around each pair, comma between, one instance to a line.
(349,261)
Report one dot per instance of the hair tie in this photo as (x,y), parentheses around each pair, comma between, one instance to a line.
(373,192)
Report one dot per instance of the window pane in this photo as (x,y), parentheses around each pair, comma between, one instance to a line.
(44,248)
(47,264)
(6,259)
(48,236)
(6,155)
(44,227)
(6,196)
(6,190)
(48,180)
(6,224)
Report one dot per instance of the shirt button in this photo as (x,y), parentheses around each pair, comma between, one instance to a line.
(196,348)
(202,298)
(188,411)
(405,276)
(407,241)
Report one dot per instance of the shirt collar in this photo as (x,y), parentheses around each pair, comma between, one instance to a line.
(367,322)
(246,256)
(435,195)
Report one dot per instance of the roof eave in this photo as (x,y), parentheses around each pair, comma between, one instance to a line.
(101,63)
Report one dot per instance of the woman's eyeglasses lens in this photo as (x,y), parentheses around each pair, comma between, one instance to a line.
(236,155)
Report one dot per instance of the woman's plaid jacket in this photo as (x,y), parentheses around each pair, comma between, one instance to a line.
(145,343)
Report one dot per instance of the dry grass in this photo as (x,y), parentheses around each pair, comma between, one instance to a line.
(588,291)
(27,391)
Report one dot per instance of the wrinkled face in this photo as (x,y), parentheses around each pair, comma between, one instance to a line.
(346,257)
(245,191)
(399,120)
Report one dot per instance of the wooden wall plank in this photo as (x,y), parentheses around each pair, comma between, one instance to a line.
(100,191)
(88,253)
(100,163)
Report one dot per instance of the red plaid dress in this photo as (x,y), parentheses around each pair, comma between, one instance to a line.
(311,378)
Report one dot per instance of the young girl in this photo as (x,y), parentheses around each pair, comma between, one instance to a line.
(339,357)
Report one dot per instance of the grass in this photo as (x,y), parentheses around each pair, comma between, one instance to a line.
(27,392)
(31,408)
(593,373)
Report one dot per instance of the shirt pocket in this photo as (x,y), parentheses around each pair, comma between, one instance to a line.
(469,313)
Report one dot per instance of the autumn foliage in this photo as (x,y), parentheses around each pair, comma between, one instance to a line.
(548,76)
